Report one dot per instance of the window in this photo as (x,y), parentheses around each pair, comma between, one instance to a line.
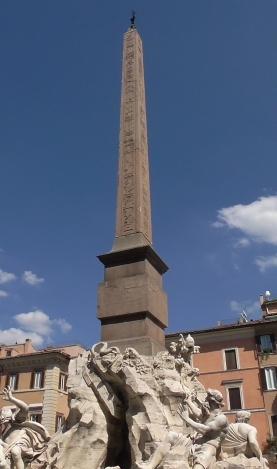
(12,381)
(35,417)
(234,398)
(274,424)
(266,343)
(37,379)
(234,394)
(230,359)
(268,378)
(8,353)
(62,382)
(59,421)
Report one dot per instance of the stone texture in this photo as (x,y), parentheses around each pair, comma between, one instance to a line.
(131,302)
(121,408)
(133,214)
(132,305)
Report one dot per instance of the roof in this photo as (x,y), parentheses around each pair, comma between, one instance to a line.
(223,327)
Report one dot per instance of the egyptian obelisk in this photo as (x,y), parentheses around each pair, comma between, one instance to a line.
(132,305)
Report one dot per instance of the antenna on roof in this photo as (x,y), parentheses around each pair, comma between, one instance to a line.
(244,316)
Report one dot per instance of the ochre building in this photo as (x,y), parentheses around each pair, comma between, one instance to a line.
(240,360)
(38,377)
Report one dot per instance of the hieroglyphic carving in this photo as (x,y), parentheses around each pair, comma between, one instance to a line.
(133,207)
(143,146)
(128,141)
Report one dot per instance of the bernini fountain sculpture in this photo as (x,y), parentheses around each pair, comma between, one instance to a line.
(133,412)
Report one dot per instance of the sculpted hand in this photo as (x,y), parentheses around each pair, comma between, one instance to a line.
(8,394)
(187,396)
(183,412)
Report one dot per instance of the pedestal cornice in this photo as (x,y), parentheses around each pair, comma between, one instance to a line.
(136,254)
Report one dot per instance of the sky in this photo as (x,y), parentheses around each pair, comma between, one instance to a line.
(211,80)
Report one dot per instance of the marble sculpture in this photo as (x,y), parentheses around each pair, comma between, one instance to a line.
(128,411)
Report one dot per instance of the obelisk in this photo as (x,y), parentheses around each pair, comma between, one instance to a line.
(132,306)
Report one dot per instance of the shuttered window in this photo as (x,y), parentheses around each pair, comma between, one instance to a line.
(234,398)
(63,382)
(274,424)
(35,417)
(59,421)
(268,378)
(12,381)
(266,343)
(37,379)
(231,359)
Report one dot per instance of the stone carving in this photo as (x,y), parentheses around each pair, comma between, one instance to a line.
(210,426)
(22,440)
(121,407)
(182,351)
(128,411)
(199,449)
(133,202)
(240,446)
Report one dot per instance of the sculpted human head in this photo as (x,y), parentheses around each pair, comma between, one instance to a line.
(190,342)
(243,416)
(173,347)
(215,396)
(5,415)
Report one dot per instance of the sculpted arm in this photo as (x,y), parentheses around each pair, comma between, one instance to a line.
(254,445)
(217,424)
(22,406)
(193,408)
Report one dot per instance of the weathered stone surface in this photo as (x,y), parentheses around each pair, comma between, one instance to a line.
(131,304)
(128,411)
(121,407)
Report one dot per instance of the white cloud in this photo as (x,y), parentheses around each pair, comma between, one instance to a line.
(13,335)
(264,262)
(30,278)
(6,277)
(35,321)
(3,294)
(257,220)
(38,321)
(35,325)
(242,243)
(64,325)
(250,307)
(218,224)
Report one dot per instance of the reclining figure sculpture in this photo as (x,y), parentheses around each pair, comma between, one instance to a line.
(22,440)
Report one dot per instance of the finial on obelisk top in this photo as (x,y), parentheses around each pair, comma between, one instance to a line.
(133,20)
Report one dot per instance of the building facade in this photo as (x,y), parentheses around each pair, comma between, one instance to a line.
(240,360)
(38,377)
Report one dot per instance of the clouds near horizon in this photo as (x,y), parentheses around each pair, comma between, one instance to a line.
(34,325)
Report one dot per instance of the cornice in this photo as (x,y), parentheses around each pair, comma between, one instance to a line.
(34,359)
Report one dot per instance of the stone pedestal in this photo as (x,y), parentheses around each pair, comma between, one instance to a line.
(132,305)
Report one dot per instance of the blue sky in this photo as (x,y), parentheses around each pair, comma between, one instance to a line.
(211,80)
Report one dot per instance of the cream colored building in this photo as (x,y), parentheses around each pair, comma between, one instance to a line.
(38,377)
